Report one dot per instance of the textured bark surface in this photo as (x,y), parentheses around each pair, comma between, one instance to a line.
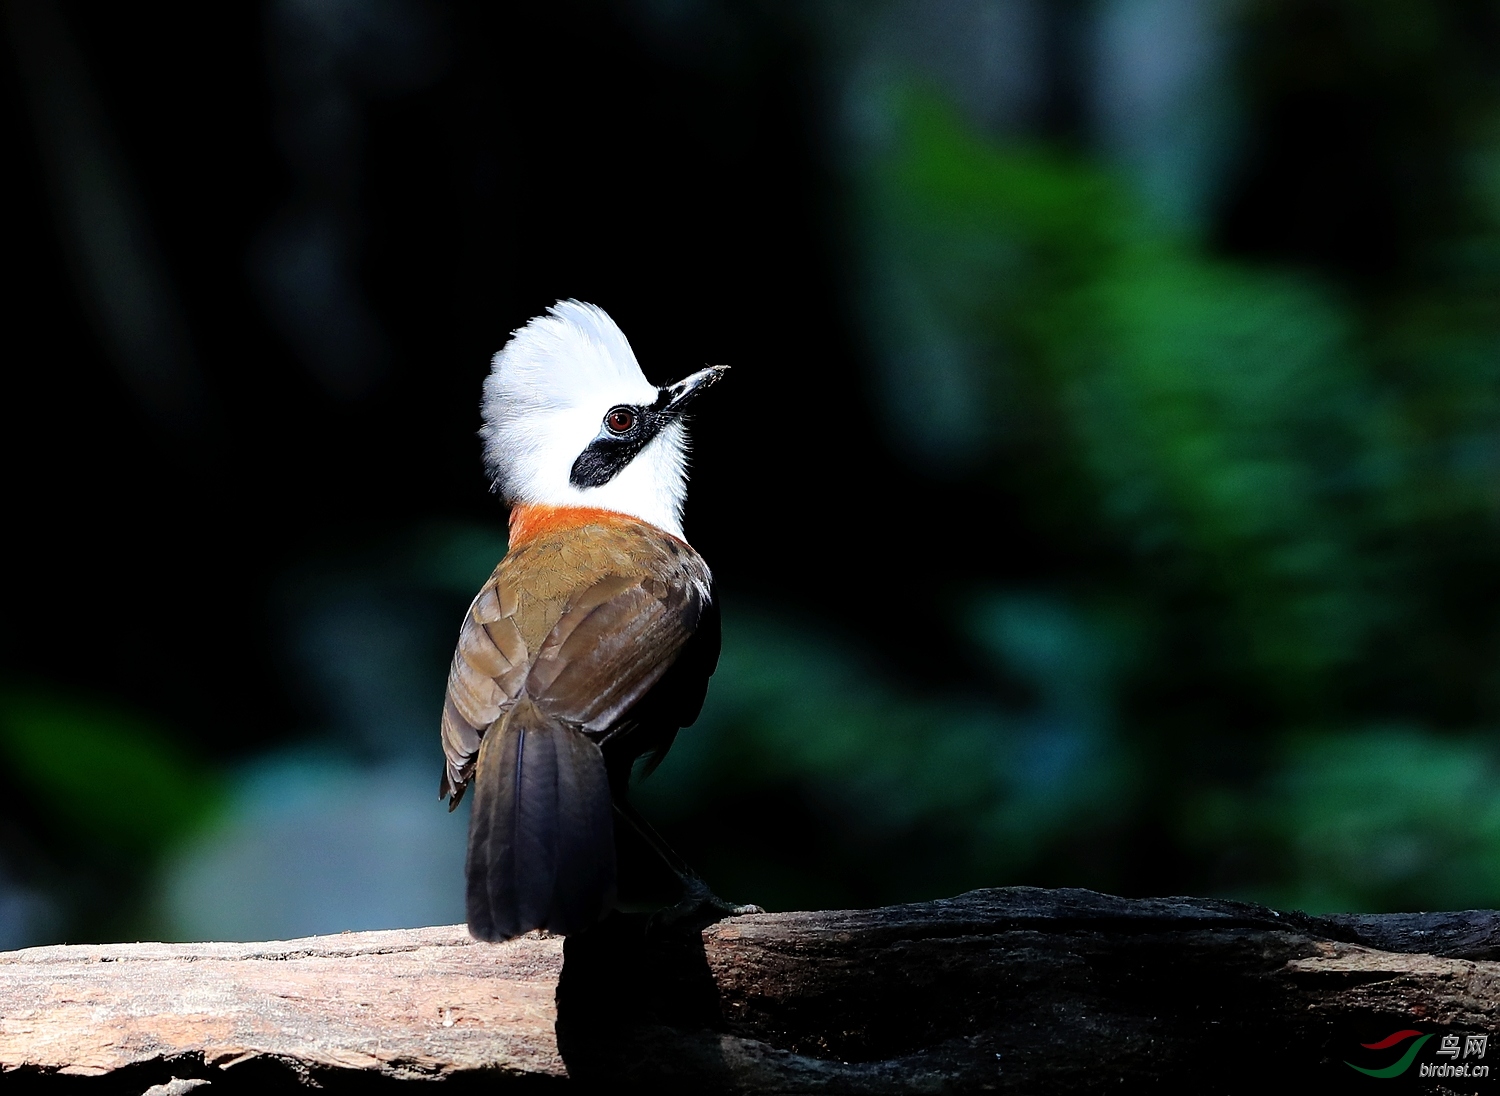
(1017,990)
(420,1003)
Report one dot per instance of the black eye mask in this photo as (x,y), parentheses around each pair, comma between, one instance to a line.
(613,449)
(607,455)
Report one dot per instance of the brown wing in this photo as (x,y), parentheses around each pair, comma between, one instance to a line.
(488,672)
(651,725)
(610,647)
(604,646)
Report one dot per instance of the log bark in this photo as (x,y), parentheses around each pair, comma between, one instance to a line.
(1014,990)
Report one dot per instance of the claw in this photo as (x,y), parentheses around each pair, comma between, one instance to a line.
(698,908)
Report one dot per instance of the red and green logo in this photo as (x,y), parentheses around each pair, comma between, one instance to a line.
(1401,1064)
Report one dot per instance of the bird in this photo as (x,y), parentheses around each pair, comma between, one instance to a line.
(593,641)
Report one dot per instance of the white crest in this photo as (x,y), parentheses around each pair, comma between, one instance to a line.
(545,401)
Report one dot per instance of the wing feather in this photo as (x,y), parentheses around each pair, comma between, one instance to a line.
(597,664)
(488,670)
(593,652)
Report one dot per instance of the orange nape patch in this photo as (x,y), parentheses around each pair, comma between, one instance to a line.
(530,520)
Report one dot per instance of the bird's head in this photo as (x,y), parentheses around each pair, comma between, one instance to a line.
(570,420)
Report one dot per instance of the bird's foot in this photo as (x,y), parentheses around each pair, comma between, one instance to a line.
(698,908)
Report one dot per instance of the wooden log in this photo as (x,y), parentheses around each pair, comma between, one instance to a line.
(1019,990)
(418,1003)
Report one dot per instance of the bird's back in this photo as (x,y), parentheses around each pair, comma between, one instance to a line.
(582,620)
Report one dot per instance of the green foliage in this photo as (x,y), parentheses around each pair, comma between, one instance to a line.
(1213,416)
(112,785)
(1387,818)
(971,792)
(1290,486)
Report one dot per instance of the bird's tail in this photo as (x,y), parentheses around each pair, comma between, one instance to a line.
(541,831)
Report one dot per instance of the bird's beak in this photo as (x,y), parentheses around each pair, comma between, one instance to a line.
(678,396)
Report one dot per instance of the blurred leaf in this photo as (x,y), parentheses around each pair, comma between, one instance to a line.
(1218,412)
(1301,492)
(1382,819)
(982,790)
(110,780)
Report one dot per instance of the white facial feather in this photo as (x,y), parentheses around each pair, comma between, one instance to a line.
(544,402)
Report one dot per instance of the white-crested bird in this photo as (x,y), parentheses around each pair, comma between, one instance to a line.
(593,641)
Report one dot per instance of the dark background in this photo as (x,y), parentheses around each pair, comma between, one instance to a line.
(1105,492)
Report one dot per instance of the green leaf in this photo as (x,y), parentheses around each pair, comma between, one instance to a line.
(108,778)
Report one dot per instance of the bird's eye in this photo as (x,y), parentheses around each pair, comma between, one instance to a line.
(620,420)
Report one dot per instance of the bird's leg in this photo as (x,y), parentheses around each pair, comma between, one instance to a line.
(697,899)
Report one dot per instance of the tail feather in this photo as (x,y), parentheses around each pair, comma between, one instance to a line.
(585,882)
(541,833)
